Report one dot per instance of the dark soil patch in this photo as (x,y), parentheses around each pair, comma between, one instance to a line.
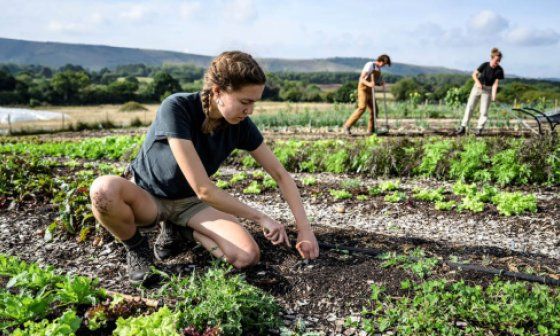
(320,292)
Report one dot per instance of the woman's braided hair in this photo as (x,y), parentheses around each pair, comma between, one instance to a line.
(230,71)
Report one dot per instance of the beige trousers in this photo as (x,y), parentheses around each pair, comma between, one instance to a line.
(484,95)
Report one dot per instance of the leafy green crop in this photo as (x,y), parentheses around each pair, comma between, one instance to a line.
(435,307)
(429,195)
(416,262)
(309,181)
(434,153)
(215,299)
(395,197)
(222,184)
(514,203)
(249,162)
(506,168)
(67,324)
(471,161)
(253,188)
(79,290)
(374,191)
(445,206)
(269,183)
(471,203)
(350,184)
(41,291)
(19,308)
(336,162)
(35,278)
(238,177)
(389,185)
(258,174)
(111,147)
(286,151)
(340,194)
(162,322)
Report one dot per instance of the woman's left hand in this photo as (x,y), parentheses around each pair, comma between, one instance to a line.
(307,245)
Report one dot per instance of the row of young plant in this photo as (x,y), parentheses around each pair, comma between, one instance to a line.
(472,197)
(64,185)
(30,294)
(38,300)
(469,197)
(426,305)
(108,148)
(498,160)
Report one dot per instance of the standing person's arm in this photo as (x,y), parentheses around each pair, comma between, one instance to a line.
(477,82)
(306,242)
(495,89)
(365,79)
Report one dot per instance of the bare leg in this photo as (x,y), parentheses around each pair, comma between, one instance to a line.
(222,235)
(120,205)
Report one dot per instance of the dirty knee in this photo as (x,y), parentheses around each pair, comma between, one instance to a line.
(246,258)
(102,195)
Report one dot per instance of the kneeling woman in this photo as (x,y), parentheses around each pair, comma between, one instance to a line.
(193,133)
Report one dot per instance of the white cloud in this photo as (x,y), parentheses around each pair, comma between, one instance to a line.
(523,36)
(188,9)
(97,18)
(134,13)
(59,26)
(87,24)
(488,22)
(433,34)
(241,10)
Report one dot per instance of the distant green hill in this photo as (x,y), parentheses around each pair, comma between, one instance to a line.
(95,57)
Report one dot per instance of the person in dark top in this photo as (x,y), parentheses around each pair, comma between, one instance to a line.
(192,135)
(486,80)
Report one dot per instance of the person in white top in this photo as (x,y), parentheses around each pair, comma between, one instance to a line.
(365,97)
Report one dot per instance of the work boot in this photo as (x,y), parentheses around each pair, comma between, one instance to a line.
(139,260)
(461,131)
(478,132)
(172,240)
(347,130)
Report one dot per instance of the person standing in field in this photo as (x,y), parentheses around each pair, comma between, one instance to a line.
(486,80)
(169,184)
(365,98)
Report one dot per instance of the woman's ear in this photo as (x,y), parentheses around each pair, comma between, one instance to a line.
(216,90)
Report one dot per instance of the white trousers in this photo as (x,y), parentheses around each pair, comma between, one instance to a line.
(484,95)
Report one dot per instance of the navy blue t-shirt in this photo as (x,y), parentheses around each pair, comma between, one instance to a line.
(488,75)
(180,116)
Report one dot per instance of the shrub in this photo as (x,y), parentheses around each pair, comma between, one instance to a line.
(132,106)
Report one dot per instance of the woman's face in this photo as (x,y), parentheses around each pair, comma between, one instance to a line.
(237,105)
(495,60)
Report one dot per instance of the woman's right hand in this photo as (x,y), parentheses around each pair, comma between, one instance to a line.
(274,231)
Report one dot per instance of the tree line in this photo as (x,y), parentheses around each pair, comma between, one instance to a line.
(72,84)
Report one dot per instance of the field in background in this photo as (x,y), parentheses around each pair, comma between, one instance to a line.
(400,116)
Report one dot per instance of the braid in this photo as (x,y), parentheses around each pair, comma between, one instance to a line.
(205,98)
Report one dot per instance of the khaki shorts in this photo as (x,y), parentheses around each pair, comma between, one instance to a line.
(178,211)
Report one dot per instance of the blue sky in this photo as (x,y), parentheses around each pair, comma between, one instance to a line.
(455,34)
